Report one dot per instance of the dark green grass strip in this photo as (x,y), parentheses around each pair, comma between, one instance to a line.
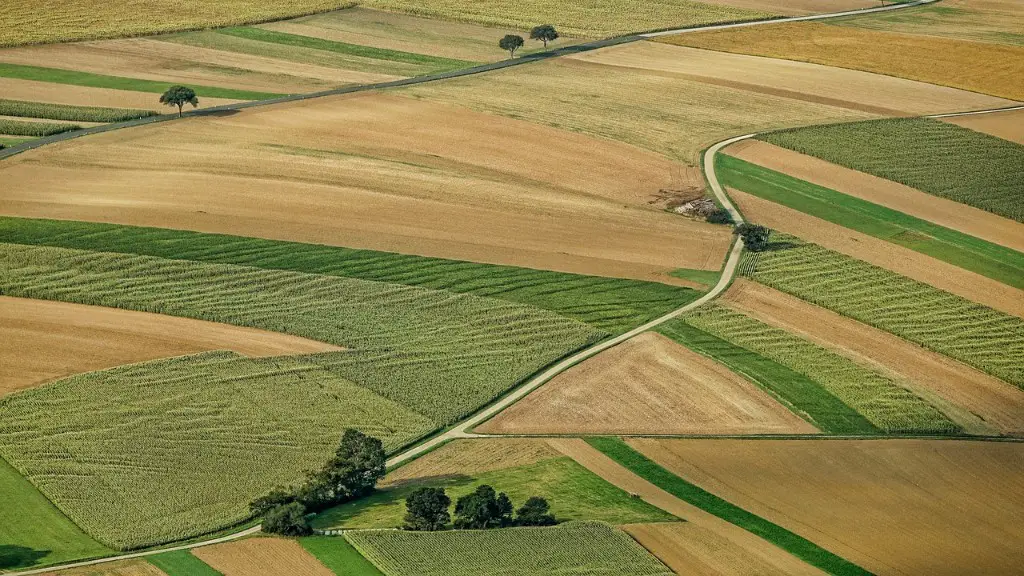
(181,563)
(806,396)
(339,556)
(69,113)
(437,64)
(992,260)
(76,78)
(37,129)
(796,545)
(613,305)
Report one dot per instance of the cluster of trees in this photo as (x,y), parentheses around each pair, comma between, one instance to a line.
(512,42)
(755,236)
(351,473)
(427,509)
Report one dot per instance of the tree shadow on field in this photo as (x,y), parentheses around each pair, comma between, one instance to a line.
(20,556)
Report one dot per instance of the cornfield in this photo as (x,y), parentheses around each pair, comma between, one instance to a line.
(37,129)
(69,113)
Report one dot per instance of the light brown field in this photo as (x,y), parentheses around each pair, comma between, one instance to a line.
(729,541)
(936,507)
(471,457)
(840,87)
(261,557)
(46,340)
(379,172)
(883,254)
(1007,125)
(977,66)
(999,21)
(84,96)
(954,215)
(797,7)
(976,401)
(124,568)
(49,121)
(648,385)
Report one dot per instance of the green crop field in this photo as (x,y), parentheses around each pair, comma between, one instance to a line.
(935,157)
(610,304)
(33,532)
(578,548)
(36,129)
(338,555)
(69,113)
(882,401)
(794,544)
(992,260)
(181,563)
(800,393)
(573,492)
(974,334)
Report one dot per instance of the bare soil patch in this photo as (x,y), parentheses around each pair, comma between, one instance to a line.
(471,457)
(262,557)
(690,549)
(46,340)
(1007,125)
(883,254)
(379,172)
(648,385)
(796,7)
(948,213)
(33,91)
(936,507)
(125,568)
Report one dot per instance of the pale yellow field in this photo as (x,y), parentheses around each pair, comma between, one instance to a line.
(893,507)
(261,557)
(33,91)
(797,7)
(471,457)
(998,21)
(1007,125)
(992,69)
(124,568)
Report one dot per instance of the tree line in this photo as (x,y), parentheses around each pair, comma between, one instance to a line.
(427,510)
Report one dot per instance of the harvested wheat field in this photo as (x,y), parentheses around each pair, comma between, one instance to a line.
(648,385)
(839,87)
(261,557)
(881,253)
(1007,125)
(49,92)
(992,69)
(472,457)
(381,172)
(979,403)
(998,21)
(937,507)
(124,568)
(955,215)
(796,7)
(47,340)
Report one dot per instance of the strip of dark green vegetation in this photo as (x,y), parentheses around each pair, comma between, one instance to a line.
(610,304)
(436,63)
(76,78)
(935,157)
(794,544)
(37,129)
(992,260)
(338,555)
(805,396)
(707,277)
(69,113)
(181,563)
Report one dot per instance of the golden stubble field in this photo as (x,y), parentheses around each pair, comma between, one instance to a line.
(261,557)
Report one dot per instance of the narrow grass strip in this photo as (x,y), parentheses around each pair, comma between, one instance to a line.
(69,113)
(37,129)
(801,394)
(181,563)
(76,78)
(338,556)
(795,544)
(992,260)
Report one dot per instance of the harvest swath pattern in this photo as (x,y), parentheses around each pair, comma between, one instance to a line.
(974,334)
(581,548)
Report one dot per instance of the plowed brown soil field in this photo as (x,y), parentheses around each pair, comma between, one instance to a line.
(1008,125)
(894,507)
(883,254)
(262,557)
(33,91)
(978,402)
(954,215)
(125,568)
(648,385)
(379,172)
(470,457)
(796,7)
(46,340)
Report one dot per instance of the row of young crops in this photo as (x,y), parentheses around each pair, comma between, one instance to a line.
(21,108)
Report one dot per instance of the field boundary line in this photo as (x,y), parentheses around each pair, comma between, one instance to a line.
(975,112)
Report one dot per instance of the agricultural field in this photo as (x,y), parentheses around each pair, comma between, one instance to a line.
(181,563)
(585,548)
(123,568)
(996,21)
(339,556)
(261,557)
(797,7)
(983,67)
(1007,125)
(892,507)
(648,385)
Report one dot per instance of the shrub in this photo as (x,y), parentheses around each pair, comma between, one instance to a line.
(427,509)
(287,520)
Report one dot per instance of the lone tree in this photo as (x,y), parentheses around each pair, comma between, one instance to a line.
(427,509)
(535,513)
(179,96)
(287,520)
(511,42)
(545,33)
(755,237)
(483,509)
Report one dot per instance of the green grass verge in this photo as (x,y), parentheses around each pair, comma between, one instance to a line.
(69,113)
(992,260)
(338,555)
(577,548)
(181,563)
(36,129)
(76,78)
(794,544)
(609,304)
(987,339)
(706,277)
(800,393)
(935,157)
(34,532)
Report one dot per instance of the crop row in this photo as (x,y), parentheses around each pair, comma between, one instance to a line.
(37,129)
(69,113)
